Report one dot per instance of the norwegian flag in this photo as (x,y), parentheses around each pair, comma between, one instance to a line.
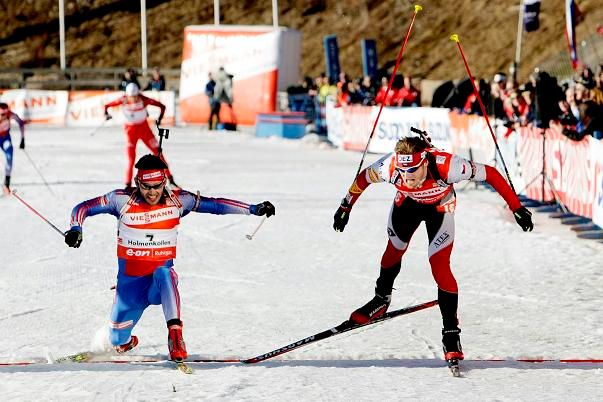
(572,16)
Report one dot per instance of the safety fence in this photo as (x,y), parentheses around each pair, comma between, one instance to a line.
(573,168)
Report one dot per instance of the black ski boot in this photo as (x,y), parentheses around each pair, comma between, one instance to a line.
(451,342)
(379,304)
(372,310)
(7,184)
(453,352)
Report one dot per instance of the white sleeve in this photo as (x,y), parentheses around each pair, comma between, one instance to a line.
(462,169)
(379,171)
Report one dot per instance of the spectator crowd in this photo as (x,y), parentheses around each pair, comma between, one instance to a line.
(576,104)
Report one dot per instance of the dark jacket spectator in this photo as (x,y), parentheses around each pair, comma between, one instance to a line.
(129,76)
(157,81)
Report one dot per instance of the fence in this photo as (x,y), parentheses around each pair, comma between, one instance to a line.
(590,52)
(76,78)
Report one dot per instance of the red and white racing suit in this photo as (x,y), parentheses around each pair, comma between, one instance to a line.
(137,128)
(433,202)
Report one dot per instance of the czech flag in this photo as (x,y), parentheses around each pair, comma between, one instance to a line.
(572,13)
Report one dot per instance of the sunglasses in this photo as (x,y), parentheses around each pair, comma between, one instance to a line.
(148,187)
(410,170)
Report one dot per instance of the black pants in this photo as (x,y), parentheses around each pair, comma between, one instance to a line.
(214,108)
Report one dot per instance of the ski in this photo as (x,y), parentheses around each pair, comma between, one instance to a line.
(91,358)
(337,330)
(183,367)
(81,357)
(455,369)
(88,357)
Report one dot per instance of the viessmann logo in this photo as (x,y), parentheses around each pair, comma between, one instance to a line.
(148,217)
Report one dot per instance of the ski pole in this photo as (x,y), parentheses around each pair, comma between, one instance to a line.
(38,171)
(14,192)
(250,237)
(389,85)
(100,126)
(455,38)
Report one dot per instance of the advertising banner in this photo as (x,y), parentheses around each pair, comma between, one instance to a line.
(37,106)
(568,165)
(260,59)
(350,126)
(596,173)
(86,108)
(368,48)
(332,57)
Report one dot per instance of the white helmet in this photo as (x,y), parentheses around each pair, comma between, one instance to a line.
(132,89)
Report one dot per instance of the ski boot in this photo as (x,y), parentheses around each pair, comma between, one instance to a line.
(372,310)
(453,352)
(6,187)
(176,344)
(121,349)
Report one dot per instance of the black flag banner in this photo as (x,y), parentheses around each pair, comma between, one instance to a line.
(530,15)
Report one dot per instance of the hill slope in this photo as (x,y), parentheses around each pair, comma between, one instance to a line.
(106,33)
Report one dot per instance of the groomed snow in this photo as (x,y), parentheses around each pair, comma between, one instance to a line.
(523,295)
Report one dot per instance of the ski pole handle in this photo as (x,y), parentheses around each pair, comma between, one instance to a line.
(37,213)
(250,237)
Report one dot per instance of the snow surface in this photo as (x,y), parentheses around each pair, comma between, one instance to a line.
(523,295)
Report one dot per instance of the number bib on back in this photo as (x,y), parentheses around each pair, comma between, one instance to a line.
(148,233)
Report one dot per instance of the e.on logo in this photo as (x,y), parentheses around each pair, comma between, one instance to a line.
(138,253)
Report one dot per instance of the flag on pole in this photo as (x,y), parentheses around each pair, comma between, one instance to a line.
(530,15)
(572,13)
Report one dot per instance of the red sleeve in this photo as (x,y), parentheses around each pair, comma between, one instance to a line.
(356,189)
(495,179)
(116,102)
(150,101)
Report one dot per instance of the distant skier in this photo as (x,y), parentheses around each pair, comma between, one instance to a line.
(148,218)
(5,140)
(424,177)
(133,105)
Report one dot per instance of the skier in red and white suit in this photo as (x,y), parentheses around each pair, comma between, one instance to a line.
(147,232)
(424,177)
(134,107)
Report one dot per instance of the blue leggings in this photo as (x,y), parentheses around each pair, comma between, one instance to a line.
(135,293)
(7,148)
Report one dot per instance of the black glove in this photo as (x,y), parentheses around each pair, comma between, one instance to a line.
(22,144)
(73,237)
(341,217)
(108,116)
(264,208)
(524,219)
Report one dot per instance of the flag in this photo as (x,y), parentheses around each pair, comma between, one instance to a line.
(530,15)
(572,14)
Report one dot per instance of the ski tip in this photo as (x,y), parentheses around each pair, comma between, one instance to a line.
(183,367)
